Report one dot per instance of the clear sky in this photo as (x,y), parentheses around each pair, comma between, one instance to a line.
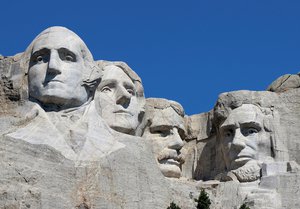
(187,51)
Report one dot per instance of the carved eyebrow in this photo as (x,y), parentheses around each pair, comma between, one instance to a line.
(40,51)
(228,126)
(129,85)
(66,50)
(160,128)
(110,82)
(253,124)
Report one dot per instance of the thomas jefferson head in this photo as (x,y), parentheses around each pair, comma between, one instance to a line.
(120,97)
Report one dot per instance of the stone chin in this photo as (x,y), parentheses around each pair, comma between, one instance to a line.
(52,98)
(59,97)
(171,171)
(124,123)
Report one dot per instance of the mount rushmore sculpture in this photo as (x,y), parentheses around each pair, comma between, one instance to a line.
(79,133)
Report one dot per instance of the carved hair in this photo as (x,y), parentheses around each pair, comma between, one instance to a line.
(137,81)
(160,103)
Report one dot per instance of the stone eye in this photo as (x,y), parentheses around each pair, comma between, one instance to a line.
(39,58)
(69,58)
(130,91)
(162,133)
(250,131)
(105,89)
(66,55)
(228,133)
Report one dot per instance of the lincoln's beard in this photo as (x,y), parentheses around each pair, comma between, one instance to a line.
(249,172)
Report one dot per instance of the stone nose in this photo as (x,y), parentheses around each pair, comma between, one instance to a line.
(238,141)
(54,64)
(123,97)
(175,141)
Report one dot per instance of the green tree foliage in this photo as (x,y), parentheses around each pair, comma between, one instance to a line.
(203,201)
(244,206)
(173,206)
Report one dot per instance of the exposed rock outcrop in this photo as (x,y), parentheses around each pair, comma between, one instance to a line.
(78,133)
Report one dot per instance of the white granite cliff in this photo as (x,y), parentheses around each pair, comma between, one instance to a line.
(78,133)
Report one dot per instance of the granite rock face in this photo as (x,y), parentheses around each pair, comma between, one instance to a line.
(285,82)
(90,139)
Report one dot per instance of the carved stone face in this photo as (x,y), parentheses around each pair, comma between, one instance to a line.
(165,134)
(243,137)
(56,70)
(117,100)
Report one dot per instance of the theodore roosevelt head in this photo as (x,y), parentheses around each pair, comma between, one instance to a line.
(164,127)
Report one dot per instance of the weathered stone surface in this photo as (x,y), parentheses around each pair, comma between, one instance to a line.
(287,186)
(208,163)
(289,109)
(123,179)
(67,126)
(285,82)
(274,168)
(198,126)
(13,84)
(189,154)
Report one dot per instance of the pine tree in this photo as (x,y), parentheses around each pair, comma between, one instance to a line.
(173,206)
(244,206)
(203,201)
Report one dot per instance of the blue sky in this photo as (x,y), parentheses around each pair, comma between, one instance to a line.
(187,51)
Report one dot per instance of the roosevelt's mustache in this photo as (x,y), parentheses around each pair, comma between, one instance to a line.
(170,154)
